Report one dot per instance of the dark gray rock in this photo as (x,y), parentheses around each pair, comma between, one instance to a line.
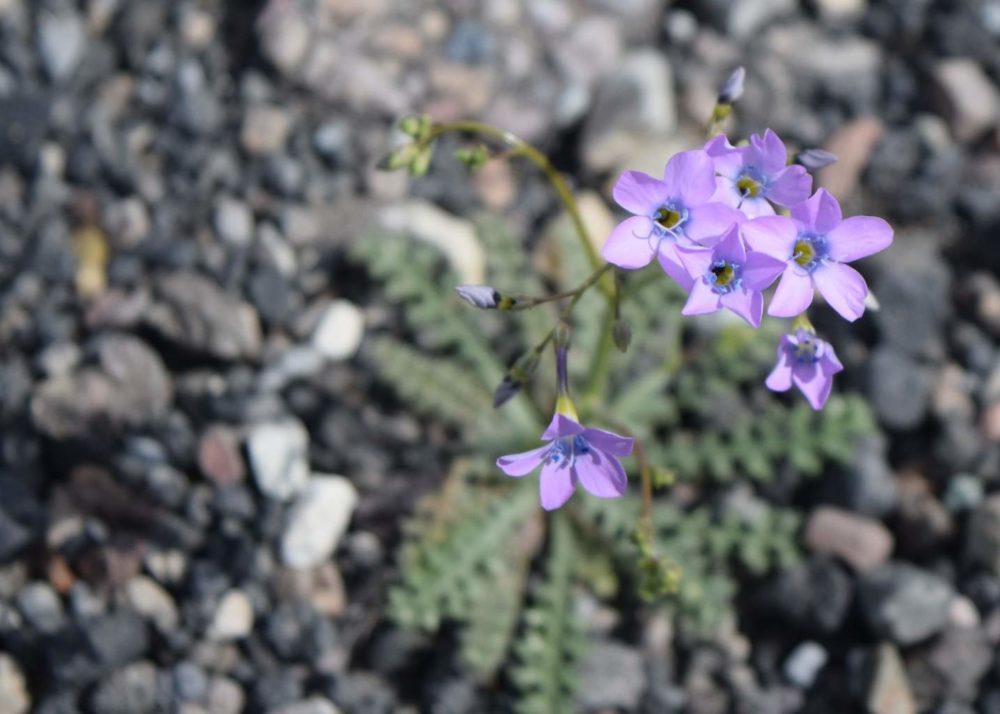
(813,596)
(13,536)
(952,665)
(904,603)
(867,485)
(899,387)
(41,607)
(130,690)
(198,315)
(611,676)
(982,539)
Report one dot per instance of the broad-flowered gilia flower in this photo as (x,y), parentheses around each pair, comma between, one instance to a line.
(807,362)
(575,454)
(753,177)
(667,213)
(727,276)
(815,244)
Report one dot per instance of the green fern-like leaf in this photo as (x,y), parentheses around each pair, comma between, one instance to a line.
(448,563)
(551,642)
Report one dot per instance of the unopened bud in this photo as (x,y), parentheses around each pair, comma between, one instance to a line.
(517,376)
(421,162)
(411,125)
(814,159)
(732,88)
(562,334)
(622,335)
(484,297)
(473,158)
(399,158)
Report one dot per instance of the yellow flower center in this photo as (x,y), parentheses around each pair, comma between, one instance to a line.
(805,253)
(667,217)
(747,187)
(723,274)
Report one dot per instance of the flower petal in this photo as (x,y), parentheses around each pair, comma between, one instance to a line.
(628,245)
(820,213)
(828,362)
(601,474)
(790,186)
(709,221)
(523,463)
(843,288)
(815,385)
(858,237)
(609,442)
(755,207)
(561,425)
(639,193)
(555,486)
(794,294)
(748,304)
(780,378)
(768,152)
(690,176)
(702,299)
(672,265)
(696,261)
(760,270)
(772,235)
(731,247)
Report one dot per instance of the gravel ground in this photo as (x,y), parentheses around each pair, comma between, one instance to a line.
(188,433)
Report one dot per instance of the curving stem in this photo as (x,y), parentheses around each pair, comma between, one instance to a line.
(519,146)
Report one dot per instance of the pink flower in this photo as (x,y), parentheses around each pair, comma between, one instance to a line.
(807,362)
(726,276)
(815,244)
(752,177)
(668,213)
(574,454)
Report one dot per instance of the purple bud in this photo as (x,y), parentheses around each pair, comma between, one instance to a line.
(481,296)
(732,89)
(814,159)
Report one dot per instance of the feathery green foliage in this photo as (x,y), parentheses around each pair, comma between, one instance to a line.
(552,640)
(692,393)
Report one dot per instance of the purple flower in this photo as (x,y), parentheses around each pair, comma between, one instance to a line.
(807,362)
(752,177)
(815,244)
(574,454)
(674,211)
(726,275)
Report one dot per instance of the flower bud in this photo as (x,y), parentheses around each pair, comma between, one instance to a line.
(732,89)
(517,376)
(484,297)
(421,162)
(411,125)
(622,335)
(814,159)
(473,158)
(399,158)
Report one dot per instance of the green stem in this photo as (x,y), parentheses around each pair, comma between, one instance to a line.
(524,303)
(520,146)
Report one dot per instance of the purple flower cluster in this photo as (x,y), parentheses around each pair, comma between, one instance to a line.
(711,223)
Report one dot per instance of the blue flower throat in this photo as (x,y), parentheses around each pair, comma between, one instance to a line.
(565,450)
(725,276)
(809,251)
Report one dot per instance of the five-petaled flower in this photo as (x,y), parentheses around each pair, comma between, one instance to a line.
(816,243)
(807,362)
(753,177)
(727,276)
(574,454)
(675,211)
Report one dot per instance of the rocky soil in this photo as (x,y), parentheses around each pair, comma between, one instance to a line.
(198,496)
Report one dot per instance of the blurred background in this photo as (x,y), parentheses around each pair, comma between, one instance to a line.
(202,479)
